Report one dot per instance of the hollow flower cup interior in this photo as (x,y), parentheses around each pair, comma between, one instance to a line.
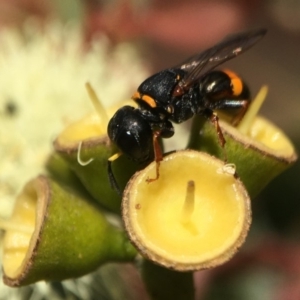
(195,216)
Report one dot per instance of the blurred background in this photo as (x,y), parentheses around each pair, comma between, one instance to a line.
(163,33)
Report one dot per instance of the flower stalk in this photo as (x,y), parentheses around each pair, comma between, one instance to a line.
(165,284)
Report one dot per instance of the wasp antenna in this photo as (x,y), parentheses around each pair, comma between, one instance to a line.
(111,176)
(79,160)
(98,106)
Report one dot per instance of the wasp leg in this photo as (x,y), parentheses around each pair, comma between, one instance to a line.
(215,120)
(158,155)
(111,176)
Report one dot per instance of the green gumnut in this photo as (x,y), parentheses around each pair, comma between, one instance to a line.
(91,168)
(56,235)
(59,170)
(257,156)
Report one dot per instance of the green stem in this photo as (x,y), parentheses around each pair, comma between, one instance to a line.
(120,247)
(166,284)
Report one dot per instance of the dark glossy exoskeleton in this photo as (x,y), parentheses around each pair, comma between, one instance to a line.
(179,93)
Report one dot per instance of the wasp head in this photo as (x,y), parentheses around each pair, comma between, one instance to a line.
(131,133)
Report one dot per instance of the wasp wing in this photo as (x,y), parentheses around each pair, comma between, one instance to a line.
(202,63)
